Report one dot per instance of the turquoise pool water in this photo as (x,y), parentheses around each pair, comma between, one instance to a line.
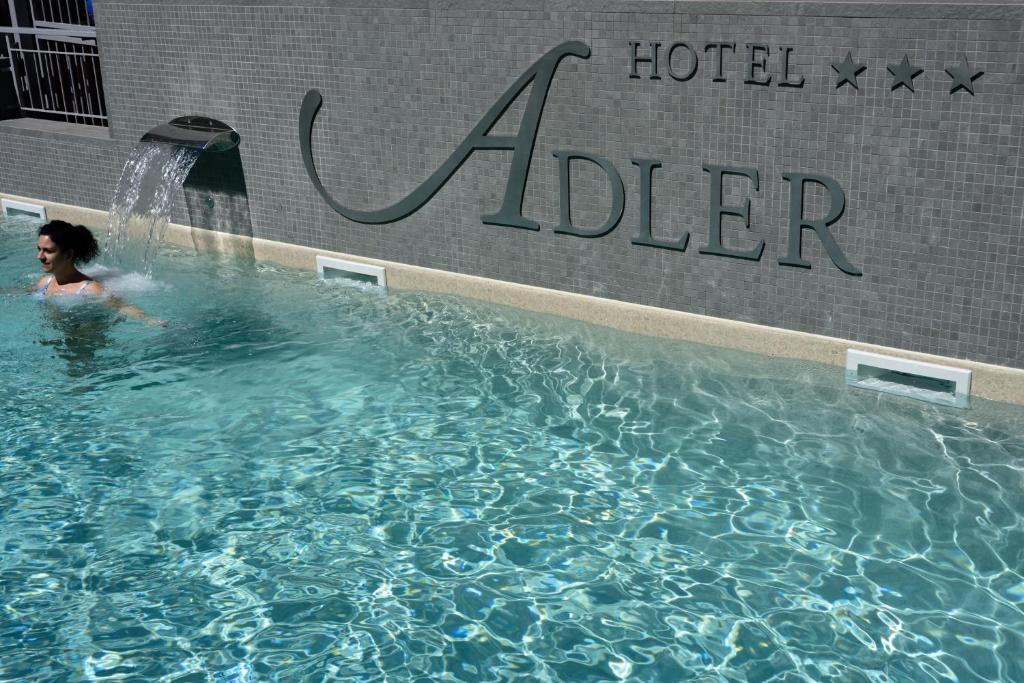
(302,481)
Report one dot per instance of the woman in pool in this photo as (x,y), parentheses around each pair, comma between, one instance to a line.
(61,248)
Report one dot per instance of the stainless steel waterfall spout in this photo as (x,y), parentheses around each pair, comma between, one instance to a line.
(197,132)
(214,189)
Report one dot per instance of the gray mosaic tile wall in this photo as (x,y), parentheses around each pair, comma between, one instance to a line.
(932,179)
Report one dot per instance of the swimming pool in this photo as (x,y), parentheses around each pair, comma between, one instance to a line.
(312,481)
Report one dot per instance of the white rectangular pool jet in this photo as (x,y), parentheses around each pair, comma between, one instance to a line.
(14,209)
(328,267)
(914,379)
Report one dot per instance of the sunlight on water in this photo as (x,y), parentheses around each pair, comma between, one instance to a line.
(305,481)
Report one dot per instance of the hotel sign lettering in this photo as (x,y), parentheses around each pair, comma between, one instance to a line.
(680,62)
(655,59)
(510,213)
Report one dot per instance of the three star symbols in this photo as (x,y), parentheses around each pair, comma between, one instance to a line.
(904,73)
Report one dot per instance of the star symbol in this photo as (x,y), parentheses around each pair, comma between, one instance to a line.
(848,71)
(963,76)
(904,74)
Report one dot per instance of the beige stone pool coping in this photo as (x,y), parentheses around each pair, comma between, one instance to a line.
(994,382)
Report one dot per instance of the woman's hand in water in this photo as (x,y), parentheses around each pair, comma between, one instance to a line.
(136,313)
(133,311)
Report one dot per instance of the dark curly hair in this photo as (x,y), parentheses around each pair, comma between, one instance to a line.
(72,238)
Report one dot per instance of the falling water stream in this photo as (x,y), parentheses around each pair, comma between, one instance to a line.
(143,202)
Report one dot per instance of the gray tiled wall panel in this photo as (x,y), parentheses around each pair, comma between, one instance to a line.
(932,179)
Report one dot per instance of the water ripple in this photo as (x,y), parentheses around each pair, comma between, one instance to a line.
(428,489)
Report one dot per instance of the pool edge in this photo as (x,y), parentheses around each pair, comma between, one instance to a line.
(993,382)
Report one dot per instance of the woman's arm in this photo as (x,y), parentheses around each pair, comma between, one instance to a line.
(133,312)
(121,307)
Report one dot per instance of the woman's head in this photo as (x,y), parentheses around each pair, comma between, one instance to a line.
(62,244)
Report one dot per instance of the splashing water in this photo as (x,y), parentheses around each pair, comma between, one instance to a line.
(142,203)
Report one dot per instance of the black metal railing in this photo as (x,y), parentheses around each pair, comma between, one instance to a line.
(52,65)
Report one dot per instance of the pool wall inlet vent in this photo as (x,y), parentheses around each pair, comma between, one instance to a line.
(328,268)
(913,379)
(14,209)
